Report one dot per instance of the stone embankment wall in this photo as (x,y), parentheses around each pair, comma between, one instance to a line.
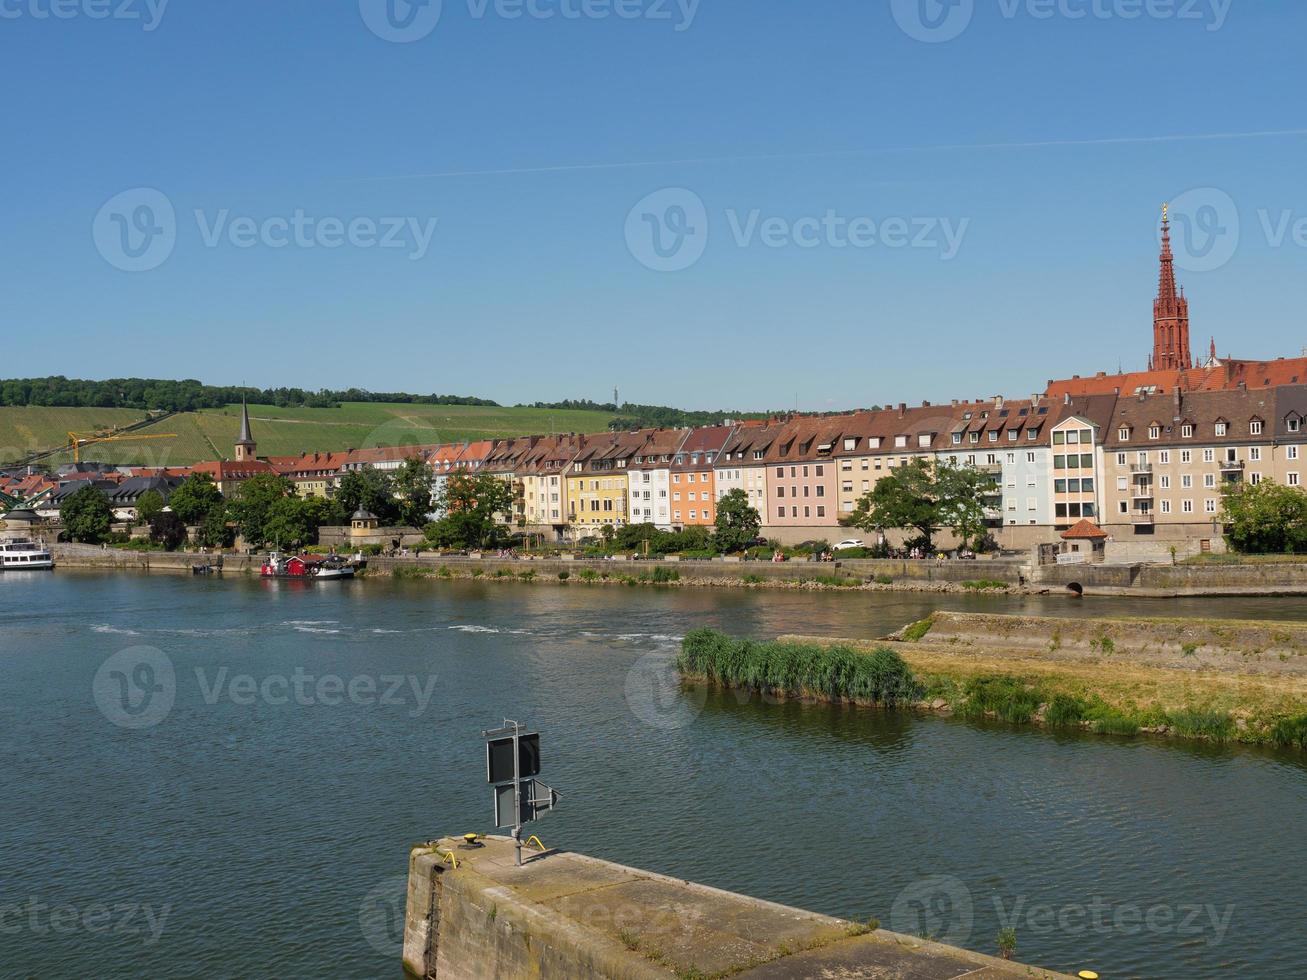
(1007,572)
(476,914)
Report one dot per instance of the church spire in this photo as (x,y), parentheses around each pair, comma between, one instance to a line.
(1170,312)
(245,444)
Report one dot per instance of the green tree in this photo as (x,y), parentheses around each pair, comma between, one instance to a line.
(148,506)
(1264,517)
(925,496)
(738,522)
(290,522)
(412,491)
(472,505)
(214,532)
(960,495)
(196,498)
(251,506)
(370,490)
(87,515)
(903,498)
(167,529)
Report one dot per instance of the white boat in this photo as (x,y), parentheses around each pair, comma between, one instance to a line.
(24,555)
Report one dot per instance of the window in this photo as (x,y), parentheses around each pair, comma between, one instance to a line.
(1030,457)
(1209,455)
(1186,481)
(1255,454)
(1164,482)
(1122,507)
(1059,438)
(1164,456)
(1123,433)
(1209,480)
(1292,424)
(1154,432)
(1187,430)
(1186,456)
(1254,478)
(821,511)
(1209,505)
(1221,428)
(900,442)
(1166,506)
(1120,459)
(1291,479)
(1032,503)
(1187,506)
(1290,452)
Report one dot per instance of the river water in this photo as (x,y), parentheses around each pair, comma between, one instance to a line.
(247,809)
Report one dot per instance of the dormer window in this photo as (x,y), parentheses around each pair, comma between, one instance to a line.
(1154,431)
(900,442)
(850,444)
(993,436)
(1187,430)
(1012,435)
(757,454)
(1123,433)
(973,437)
(1255,427)
(957,438)
(1221,428)
(873,442)
(1293,424)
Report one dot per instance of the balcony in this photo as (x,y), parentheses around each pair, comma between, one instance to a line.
(1141,468)
(1232,466)
(1142,491)
(990,467)
(1142,517)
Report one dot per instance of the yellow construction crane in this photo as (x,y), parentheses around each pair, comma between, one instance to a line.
(76,442)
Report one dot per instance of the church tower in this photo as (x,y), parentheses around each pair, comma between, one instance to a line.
(245,445)
(1170,314)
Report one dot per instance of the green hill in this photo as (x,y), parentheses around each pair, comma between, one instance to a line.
(279,431)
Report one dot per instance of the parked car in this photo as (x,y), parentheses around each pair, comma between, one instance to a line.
(848,543)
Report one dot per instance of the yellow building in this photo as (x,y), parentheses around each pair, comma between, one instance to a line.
(597,483)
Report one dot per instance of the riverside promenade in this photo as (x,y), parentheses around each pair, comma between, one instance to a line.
(1143,581)
(472,913)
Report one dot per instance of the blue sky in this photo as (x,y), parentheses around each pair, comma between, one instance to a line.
(1003,184)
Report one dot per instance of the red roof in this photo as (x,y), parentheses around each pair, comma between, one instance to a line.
(1086,529)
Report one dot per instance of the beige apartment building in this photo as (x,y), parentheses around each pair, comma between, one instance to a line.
(1166,458)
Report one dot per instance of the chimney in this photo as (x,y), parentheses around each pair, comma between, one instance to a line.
(1066,398)
(998,401)
(903,407)
(955,403)
(925,404)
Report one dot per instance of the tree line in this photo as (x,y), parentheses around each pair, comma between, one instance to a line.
(153,394)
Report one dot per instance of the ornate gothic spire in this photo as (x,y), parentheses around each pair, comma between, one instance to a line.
(1170,312)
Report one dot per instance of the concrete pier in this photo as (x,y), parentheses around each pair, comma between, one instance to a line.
(570,916)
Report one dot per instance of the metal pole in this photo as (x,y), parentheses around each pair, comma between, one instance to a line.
(517,795)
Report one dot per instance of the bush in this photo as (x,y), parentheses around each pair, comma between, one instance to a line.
(855,553)
(1007,697)
(798,669)
(837,581)
(1066,711)
(702,554)
(883,579)
(587,575)
(983,585)
(564,576)
(1291,732)
(1201,723)
(660,576)
(917,630)
(753,580)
